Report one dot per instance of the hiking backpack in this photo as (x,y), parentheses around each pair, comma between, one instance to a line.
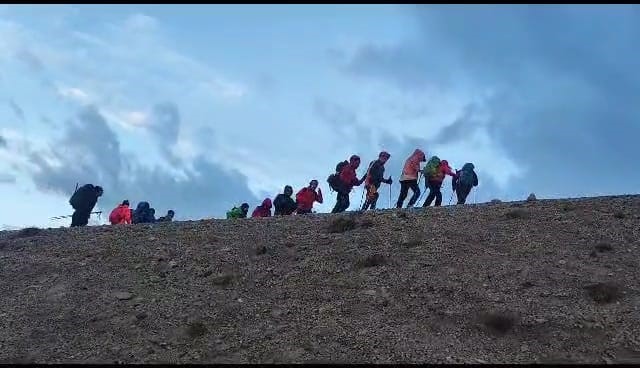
(76,199)
(466,176)
(334,179)
(431,169)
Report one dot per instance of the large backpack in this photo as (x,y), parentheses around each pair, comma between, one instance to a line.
(431,169)
(334,179)
(466,175)
(77,198)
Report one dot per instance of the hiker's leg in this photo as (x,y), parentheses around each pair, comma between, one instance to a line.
(415,188)
(438,195)
(342,203)
(431,196)
(336,208)
(462,192)
(75,218)
(80,217)
(404,189)
(374,200)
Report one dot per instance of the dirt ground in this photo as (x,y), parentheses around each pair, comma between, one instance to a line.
(544,281)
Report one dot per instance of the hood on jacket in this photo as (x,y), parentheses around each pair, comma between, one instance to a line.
(468,167)
(288,190)
(266,203)
(418,155)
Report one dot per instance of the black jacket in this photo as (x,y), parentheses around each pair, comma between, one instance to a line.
(284,205)
(376,173)
(85,198)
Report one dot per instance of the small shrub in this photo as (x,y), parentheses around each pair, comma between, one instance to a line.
(196,329)
(619,215)
(518,213)
(499,323)
(223,279)
(604,292)
(373,261)
(342,224)
(28,232)
(604,247)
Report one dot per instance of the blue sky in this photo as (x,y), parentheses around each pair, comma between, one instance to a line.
(201,107)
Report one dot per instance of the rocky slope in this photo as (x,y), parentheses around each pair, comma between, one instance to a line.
(542,281)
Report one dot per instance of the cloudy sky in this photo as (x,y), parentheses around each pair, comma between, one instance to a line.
(201,107)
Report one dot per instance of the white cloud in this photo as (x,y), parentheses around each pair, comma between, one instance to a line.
(75,94)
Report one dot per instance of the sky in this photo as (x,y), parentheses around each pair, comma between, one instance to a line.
(198,108)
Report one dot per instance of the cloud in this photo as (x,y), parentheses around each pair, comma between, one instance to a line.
(17,110)
(3,142)
(75,94)
(562,101)
(90,152)
(31,60)
(7,179)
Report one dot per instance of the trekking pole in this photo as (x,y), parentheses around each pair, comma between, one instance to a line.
(389,196)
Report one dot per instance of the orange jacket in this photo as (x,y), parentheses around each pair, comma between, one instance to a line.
(120,215)
(306,196)
(412,166)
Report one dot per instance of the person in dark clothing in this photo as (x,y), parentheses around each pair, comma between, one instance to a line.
(168,217)
(347,179)
(283,203)
(83,201)
(375,177)
(464,181)
(143,214)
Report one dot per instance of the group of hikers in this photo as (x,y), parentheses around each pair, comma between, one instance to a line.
(342,181)
(85,198)
(345,179)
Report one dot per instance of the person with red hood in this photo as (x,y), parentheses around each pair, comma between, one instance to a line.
(348,179)
(409,178)
(306,196)
(434,181)
(263,210)
(121,214)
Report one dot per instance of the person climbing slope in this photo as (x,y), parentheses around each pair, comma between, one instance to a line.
(121,214)
(263,210)
(374,178)
(409,178)
(237,213)
(466,179)
(306,196)
(344,182)
(284,205)
(168,217)
(83,200)
(435,172)
(143,213)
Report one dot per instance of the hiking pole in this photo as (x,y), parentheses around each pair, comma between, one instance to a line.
(389,196)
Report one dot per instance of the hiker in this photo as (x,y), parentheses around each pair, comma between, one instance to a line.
(151,215)
(284,205)
(374,178)
(409,178)
(121,214)
(435,172)
(263,210)
(168,217)
(306,197)
(143,214)
(343,181)
(83,200)
(236,213)
(462,184)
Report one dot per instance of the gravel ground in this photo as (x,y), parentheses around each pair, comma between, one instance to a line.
(552,281)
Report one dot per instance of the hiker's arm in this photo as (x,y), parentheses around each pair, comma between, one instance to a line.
(319,196)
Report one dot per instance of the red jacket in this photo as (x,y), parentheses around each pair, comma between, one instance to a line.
(264,210)
(443,170)
(349,177)
(306,196)
(412,166)
(120,215)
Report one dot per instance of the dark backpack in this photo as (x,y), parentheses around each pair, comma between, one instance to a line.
(334,179)
(466,175)
(80,195)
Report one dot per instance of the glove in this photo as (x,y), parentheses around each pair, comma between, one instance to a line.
(389,181)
